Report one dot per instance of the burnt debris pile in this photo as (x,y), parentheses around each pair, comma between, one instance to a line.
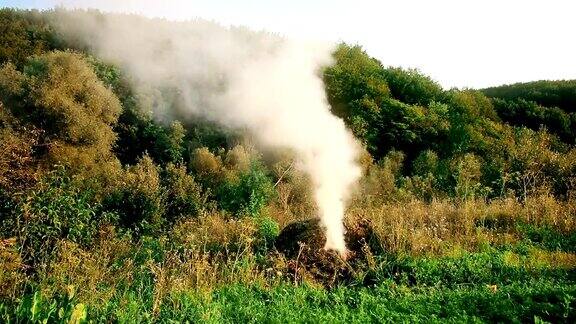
(302,243)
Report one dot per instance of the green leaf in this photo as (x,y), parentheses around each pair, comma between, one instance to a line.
(78,314)
(35,309)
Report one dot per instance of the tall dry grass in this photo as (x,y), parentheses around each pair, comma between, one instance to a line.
(417,227)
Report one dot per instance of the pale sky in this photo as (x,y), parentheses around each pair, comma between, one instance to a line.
(459,43)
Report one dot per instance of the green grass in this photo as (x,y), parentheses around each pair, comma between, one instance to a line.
(466,287)
(548,238)
(518,302)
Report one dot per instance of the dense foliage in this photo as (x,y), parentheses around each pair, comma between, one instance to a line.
(110,212)
(466,138)
(548,104)
(561,94)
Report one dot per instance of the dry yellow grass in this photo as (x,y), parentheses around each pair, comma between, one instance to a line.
(538,259)
(417,227)
(11,268)
(94,274)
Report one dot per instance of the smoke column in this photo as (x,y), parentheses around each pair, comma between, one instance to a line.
(259,82)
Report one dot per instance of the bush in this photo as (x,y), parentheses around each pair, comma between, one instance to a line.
(215,233)
(17,165)
(139,134)
(238,158)
(426,163)
(139,200)
(184,197)
(207,167)
(467,173)
(267,231)
(57,210)
(11,268)
(21,36)
(64,111)
(246,193)
(71,102)
(412,87)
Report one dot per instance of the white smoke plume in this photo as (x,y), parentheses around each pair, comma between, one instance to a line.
(259,82)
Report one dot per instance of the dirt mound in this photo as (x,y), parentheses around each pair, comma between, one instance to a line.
(302,243)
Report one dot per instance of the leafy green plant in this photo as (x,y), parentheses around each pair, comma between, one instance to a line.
(548,237)
(37,308)
(58,210)
(247,193)
(267,231)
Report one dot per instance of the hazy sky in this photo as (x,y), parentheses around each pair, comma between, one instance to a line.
(462,43)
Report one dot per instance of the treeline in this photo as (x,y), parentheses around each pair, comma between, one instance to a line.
(540,104)
(456,142)
(561,94)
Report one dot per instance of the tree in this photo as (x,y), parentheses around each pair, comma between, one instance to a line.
(59,93)
(23,34)
(412,87)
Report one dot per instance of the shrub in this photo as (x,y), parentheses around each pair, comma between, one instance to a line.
(207,167)
(238,158)
(467,173)
(72,103)
(184,197)
(11,268)
(64,110)
(246,193)
(21,36)
(17,163)
(426,163)
(378,185)
(267,231)
(412,87)
(57,210)
(139,200)
(215,233)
